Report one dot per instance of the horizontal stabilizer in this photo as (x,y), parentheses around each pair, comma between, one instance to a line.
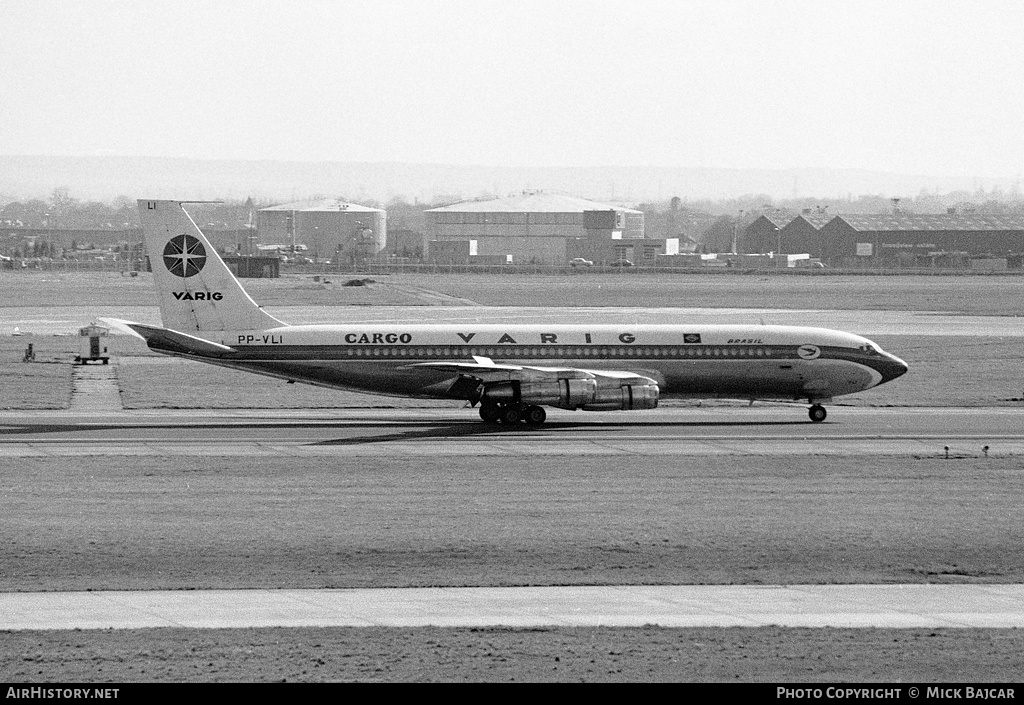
(121,326)
(167,340)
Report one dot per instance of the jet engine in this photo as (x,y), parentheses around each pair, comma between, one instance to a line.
(624,395)
(563,393)
(597,392)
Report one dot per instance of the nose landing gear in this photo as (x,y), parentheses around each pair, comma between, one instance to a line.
(817,413)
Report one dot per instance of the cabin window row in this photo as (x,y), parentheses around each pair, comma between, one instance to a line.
(562,352)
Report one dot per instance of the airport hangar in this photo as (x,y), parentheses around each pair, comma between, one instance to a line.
(324,229)
(785,234)
(952,239)
(537,227)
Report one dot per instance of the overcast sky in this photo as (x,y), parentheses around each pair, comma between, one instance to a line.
(932,87)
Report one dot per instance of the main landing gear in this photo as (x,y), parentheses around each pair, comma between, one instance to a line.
(512,414)
(817,413)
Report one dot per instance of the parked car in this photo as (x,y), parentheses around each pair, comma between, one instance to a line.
(580,262)
(622,263)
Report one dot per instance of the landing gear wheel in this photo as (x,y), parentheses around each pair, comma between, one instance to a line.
(490,413)
(534,415)
(511,415)
(817,413)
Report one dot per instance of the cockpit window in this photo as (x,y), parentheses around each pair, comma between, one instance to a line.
(869,349)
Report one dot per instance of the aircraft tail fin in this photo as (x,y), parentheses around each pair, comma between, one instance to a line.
(196,289)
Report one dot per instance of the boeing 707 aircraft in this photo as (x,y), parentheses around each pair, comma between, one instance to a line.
(511,371)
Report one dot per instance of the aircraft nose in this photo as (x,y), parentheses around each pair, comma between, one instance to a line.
(892,367)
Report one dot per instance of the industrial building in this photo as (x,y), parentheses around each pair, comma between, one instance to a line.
(952,239)
(803,233)
(902,239)
(786,234)
(536,227)
(324,229)
(763,234)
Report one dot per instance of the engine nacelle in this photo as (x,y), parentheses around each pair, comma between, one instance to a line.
(625,396)
(600,392)
(562,393)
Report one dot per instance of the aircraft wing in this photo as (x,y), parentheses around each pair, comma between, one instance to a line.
(486,370)
(484,366)
(564,387)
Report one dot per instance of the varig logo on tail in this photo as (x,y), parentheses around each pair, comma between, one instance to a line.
(184,256)
(198,295)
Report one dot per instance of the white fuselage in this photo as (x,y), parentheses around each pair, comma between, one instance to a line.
(747,362)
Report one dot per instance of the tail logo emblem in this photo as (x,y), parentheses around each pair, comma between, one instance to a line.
(184,256)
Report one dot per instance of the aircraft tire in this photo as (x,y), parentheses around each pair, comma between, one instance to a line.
(817,413)
(511,415)
(490,413)
(534,415)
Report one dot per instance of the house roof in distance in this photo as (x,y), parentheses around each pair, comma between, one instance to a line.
(333,205)
(530,202)
(932,221)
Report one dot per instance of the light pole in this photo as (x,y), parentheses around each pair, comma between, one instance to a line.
(735,226)
(357,244)
(291,228)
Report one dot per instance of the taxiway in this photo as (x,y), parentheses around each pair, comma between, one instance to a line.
(691,431)
(880,606)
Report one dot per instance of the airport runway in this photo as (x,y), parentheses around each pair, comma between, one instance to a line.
(761,430)
(881,606)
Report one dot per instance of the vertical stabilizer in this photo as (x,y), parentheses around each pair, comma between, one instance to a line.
(197,291)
